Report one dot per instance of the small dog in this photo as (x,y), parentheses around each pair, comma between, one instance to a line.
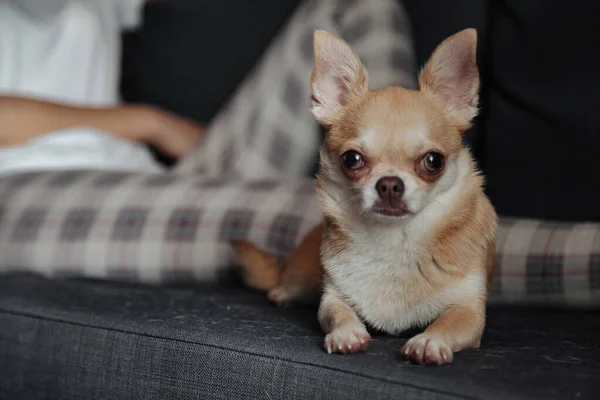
(408,237)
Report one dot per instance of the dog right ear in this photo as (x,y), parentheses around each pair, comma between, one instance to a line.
(451,75)
(338,76)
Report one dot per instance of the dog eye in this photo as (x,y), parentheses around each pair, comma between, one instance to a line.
(433,162)
(353,160)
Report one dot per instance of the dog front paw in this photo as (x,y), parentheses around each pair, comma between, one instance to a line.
(348,338)
(428,349)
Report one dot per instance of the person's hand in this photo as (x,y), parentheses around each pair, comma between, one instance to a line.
(169,133)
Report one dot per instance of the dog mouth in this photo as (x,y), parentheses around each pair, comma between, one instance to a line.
(388,210)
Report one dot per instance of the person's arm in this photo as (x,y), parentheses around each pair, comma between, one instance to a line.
(22,119)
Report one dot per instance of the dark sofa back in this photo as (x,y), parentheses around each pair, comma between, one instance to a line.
(538,135)
(192,54)
(542,124)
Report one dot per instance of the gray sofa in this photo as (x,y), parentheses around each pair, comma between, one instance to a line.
(98,340)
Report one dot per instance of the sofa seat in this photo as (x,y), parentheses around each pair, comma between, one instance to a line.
(99,340)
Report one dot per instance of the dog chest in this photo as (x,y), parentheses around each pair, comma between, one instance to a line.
(383,284)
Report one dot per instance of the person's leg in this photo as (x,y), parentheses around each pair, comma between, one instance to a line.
(267,129)
(146,228)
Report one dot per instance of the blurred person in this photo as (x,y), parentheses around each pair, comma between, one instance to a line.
(59,91)
(265,132)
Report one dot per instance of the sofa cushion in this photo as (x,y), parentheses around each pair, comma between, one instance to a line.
(82,339)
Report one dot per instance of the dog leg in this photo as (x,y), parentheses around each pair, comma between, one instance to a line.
(458,328)
(345,332)
(298,278)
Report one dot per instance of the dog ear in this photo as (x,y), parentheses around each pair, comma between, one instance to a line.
(451,74)
(338,76)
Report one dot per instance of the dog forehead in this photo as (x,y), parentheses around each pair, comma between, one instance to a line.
(398,120)
(390,127)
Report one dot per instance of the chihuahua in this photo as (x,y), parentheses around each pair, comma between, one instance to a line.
(408,236)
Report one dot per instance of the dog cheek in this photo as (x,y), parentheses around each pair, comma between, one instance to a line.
(369,196)
(413,201)
(414,194)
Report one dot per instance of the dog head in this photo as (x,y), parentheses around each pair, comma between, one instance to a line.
(391,152)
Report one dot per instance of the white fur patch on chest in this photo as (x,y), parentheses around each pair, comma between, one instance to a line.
(380,279)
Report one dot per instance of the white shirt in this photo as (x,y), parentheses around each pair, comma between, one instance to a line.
(68,51)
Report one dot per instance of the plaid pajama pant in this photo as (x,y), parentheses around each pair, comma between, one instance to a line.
(244,181)
(147,228)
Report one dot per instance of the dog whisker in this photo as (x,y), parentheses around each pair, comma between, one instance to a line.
(338,205)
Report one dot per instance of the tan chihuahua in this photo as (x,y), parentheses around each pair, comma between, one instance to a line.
(408,238)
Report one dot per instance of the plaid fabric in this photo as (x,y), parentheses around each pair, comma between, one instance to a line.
(547,263)
(267,131)
(148,228)
(161,228)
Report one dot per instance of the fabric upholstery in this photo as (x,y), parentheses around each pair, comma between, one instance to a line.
(68,340)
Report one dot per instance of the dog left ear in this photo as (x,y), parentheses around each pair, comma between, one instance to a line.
(338,77)
(451,74)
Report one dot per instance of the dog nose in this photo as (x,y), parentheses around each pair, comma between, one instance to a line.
(390,187)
